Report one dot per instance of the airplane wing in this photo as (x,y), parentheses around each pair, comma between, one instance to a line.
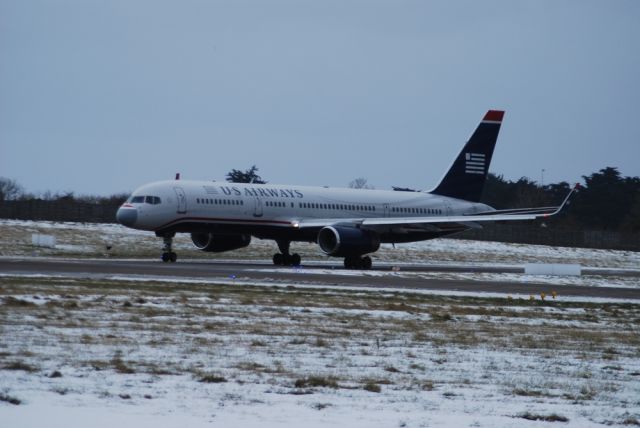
(461,222)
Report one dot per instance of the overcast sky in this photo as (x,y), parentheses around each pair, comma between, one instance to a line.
(102,96)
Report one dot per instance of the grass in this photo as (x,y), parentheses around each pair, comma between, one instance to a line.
(19,365)
(530,393)
(16,302)
(546,418)
(212,378)
(372,387)
(316,382)
(120,366)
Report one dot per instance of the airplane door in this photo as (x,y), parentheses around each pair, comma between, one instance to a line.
(449,210)
(257,211)
(386,210)
(182,200)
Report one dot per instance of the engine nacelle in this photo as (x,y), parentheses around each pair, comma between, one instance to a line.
(340,241)
(219,243)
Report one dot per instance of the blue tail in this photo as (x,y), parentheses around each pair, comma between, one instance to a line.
(466,177)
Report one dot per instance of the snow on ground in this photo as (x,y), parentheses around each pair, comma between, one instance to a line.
(117,352)
(162,352)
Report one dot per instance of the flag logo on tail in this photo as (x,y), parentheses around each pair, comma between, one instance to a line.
(474,163)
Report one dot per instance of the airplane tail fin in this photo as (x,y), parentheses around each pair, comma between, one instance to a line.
(466,177)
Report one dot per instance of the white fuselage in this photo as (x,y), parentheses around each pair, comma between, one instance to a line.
(188,205)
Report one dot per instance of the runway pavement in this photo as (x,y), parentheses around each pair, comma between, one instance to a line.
(383,276)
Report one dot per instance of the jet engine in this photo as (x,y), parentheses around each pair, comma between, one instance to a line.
(340,241)
(212,243)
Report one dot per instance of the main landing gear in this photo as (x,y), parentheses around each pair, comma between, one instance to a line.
(283,258)
(357,262)
(167,254)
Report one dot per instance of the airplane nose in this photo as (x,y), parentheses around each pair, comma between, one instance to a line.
(127,216)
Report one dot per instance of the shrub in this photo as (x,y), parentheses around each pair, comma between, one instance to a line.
(372,387)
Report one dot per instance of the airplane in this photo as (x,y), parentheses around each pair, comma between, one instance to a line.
(347,223)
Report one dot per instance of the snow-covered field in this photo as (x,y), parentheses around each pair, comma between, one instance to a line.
(106,352)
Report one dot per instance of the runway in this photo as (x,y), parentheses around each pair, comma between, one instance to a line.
(321,274)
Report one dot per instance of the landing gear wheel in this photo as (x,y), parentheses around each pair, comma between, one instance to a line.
(283,258)
(350,262)
(173,257)
(165,257)
(280,259)
(366,263)
(295,260)
(363,263)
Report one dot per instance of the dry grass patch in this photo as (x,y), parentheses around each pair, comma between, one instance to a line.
(19,365)
(317,382)
(212,378)
(546,418)
(372,387)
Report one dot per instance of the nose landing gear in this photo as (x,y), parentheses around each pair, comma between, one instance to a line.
(167,253)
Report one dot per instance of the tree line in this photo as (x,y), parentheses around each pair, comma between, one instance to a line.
(605,201)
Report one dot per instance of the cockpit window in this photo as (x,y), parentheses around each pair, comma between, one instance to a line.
(153,200)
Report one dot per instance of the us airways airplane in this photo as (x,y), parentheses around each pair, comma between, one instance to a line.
(348,223)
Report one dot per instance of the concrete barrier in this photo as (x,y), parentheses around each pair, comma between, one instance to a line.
(552,269)
(40,240)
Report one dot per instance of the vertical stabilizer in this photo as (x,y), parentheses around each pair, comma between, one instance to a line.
(466,177)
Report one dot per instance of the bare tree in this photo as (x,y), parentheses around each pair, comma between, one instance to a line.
(9,189)
(360,183)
